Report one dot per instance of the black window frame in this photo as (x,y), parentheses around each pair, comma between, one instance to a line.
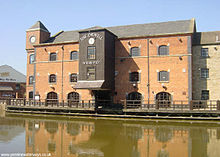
(204,52)
(74,55)
(91,55)
(134,77)
(53,56)
(89,73)
(31,58)
(163,76)
(52,78)
(32,95)
(135,51)
(161,50)
(73,77)
(205,95)
(204,73)
(31,80)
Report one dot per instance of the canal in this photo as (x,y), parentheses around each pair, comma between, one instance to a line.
(60,136)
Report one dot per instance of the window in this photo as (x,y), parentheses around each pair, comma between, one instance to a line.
(53,56)
(135,51)
(31,95)
(205,52)
(74,55)
(31,80)
(204,73)
(91,52)
(18,86)
(52,78)
(205,95)
(163,76)
(31,58)
(163,50)
(73,77)
(134,77)
(91,73)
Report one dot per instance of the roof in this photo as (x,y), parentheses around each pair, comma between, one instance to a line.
(202,38)
(136,30)
(38,26)
(9,74)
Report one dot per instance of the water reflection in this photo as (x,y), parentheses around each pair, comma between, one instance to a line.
(97,138)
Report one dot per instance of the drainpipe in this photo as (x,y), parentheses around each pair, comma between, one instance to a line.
(148,73)
(34,82)
(62,74)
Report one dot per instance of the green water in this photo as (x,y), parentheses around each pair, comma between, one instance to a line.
(94,137)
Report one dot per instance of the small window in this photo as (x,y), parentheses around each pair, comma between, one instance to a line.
(205,95)
(53,56)
(163,50)
(91,73)
(74,55)
(52,78)
(205,52)
(163,76)
(31,80)
(91,52)
(31,59)
(134,77)
(204,73)
(30,95)
(135,51)
(18,86)
(73,77)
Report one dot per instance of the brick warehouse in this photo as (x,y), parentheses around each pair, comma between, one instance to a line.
(134,62)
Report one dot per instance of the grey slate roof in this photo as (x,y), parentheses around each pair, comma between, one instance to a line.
(202,38)
(38,26)
(9,74)
(137,30)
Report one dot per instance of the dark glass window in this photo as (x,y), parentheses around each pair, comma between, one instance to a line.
(91,52)
(31,79)
(204,52)
(53,56)
(135,51)
(163,50)
(91,73)
(31,96)
(52,78)
(73,77)
(163,76)
(205,95)
(18,86)
(31,58)
(74,55)
(204,73)
(134,77)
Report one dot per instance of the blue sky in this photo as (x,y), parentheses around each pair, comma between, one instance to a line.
(18,15)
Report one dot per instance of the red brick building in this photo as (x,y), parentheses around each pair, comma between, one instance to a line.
(134,62)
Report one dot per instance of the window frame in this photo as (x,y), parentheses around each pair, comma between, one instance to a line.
(161,53)
(205,95)
(29,80)
(88,74)
(134,77)
(89,55)
(167,76)
(50,57)
(138,53)
(31,61)
(50,80)
(72,80)
(204,73)
(74,55)
(205,54)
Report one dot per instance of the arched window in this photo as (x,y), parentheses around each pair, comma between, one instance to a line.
(134,98)
(31,79)
(135,51)
(52,78)
(163,99)
(53,56)
(73,99)
(52,99)
(134,77)
(73,77)
(31,59)
(163,76)
(163,50)
(74,55)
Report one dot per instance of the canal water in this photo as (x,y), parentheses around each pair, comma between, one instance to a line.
(61,136)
